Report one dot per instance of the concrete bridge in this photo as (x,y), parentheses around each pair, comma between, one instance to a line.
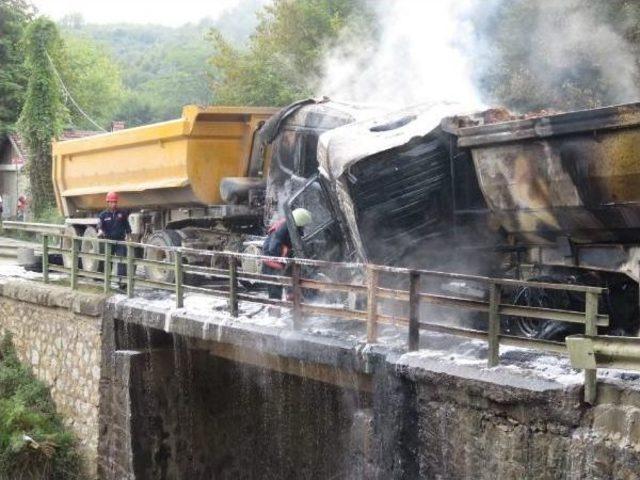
(155,392)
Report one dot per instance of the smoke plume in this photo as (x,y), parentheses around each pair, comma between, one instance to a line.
(419,57)
(565,54)
(526,55)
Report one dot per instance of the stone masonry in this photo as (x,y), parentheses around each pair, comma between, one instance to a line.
(58,333)
(157,394)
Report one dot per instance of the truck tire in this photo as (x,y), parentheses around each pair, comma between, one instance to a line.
(161,238)
(90,244)
(539,297)
(251,265)
(66,243)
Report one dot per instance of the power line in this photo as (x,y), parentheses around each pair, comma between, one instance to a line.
(69,96)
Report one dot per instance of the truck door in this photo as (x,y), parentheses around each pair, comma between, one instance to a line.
(324,238)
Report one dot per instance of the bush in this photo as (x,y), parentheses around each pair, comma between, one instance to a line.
(33,441)
(49,214)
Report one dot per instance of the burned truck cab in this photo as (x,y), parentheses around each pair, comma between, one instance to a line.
(396,190)
(290,139)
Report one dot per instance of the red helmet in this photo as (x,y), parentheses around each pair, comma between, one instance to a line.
(112,197)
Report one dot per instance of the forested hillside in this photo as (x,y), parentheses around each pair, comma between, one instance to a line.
(163,68)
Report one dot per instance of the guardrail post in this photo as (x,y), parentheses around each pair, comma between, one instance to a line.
(296,292)
(414,311)
(45,258)
(495,294)
(107,267)
(74,263)
(233,286)
(591,330)
(131,267)
(179,277)
(372,305)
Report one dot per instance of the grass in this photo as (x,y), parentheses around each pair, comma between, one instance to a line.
(34,444)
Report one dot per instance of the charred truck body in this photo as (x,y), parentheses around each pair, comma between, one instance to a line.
(554,198)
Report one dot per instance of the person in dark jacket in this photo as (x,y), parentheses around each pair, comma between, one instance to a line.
(278,244)
(113,224)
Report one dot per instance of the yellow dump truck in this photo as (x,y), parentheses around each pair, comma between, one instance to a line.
(198,181)
(179,162)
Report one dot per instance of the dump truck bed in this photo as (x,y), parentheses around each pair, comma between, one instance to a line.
(174,163)
(574,174)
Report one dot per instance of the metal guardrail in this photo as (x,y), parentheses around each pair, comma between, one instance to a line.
(376,287)
(33,227)
(621,353)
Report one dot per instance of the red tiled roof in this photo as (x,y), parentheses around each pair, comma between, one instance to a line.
(74,134)
(66,135)
(17,141)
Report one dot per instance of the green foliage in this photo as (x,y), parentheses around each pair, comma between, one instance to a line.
(94,80)
(162,69)
(43,114)
(283,60)
(14,15)
(33,441)
(50,214)
(559,55)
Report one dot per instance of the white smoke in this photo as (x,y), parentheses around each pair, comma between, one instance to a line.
(568,54)
(420,57)
(574,38)
(561,54)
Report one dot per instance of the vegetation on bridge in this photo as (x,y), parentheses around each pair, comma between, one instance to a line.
(33,441)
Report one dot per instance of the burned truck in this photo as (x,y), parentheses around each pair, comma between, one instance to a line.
(554,198)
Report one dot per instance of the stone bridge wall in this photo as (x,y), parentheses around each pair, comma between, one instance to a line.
(158,395)
(58,333)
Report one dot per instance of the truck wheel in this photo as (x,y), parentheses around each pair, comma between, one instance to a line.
(90,244)
(539,297)
(161,238)
(66,243)
(251,265)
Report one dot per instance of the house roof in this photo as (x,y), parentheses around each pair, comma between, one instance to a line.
(74,134)
(16,141)
(69,134)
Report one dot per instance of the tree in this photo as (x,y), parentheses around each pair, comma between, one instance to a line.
(283,60)
(572,54)
(94,81)
(43,114)
(14,15)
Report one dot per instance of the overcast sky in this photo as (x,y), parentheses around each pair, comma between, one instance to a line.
(165,12)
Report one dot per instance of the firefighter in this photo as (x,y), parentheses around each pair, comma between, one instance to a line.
(278,244)
(113,224)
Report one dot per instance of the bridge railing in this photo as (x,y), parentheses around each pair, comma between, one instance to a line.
(374,294)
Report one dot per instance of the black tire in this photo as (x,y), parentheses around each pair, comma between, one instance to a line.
(161,238)
(545,298)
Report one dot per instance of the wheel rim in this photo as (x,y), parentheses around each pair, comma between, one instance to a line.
(529,297)
(158,255)
(251,265)
(90,245)
(539,298)
(66,244)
